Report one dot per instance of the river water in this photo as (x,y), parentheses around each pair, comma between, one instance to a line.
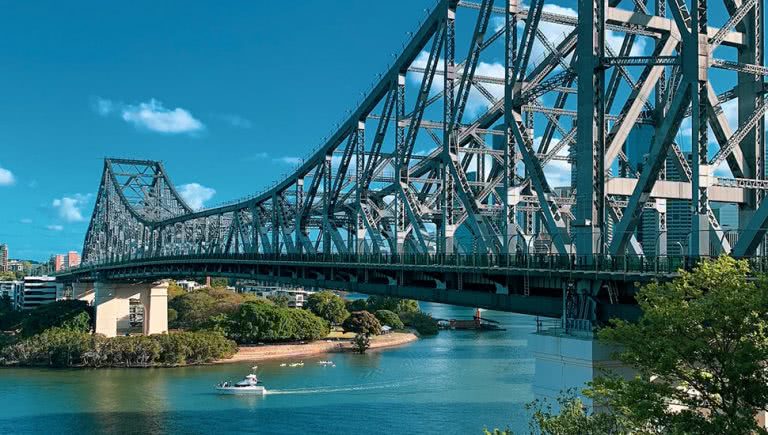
(455,383)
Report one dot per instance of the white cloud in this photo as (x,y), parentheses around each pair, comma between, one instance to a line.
(557,171)
(6,177)
(288,160)
(152,116)
(70,208)
(196,194)
(55,227)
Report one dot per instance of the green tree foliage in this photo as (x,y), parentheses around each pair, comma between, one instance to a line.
(258,322)
(69,314)
(175,290)
(362,322)
(281,301)
(356,305)
(7,276)
(173,315)
(397,305)
(329,306)
(219,282)
(389,318)
(196,308)
(423,323)
(60,347)
(361,343)
(701,343)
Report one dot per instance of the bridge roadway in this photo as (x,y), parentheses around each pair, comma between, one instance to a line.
(527,284)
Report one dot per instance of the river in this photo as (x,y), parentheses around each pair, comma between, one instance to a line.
(455,383)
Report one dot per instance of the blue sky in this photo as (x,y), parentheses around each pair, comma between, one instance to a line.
(229,95)
(226,94)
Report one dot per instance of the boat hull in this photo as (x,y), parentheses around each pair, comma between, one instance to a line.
(254,391)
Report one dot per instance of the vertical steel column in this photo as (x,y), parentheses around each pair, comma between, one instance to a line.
(299,227)
(400,165)
(510,160)
(275,225)
(359,226)
(589,225)
(697,63)
(450,147)
(749,91)
(327,183)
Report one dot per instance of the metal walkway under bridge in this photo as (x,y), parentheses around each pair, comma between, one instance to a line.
(439,184)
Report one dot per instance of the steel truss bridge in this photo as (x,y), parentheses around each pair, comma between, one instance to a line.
(436,186)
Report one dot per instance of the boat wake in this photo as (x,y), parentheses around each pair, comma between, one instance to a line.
(342,388)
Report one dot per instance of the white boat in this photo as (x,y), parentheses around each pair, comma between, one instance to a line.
(249,385)
(326,363)
(298,364)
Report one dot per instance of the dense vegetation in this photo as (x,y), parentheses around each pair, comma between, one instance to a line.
(195,309)
(61,347)
(259,322)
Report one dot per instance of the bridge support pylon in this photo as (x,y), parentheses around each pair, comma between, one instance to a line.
(112,306)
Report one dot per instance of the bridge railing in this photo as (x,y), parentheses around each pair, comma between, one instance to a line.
(659,265)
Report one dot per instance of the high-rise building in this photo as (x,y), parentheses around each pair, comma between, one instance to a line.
(3,258)
(39,290)
(678,212)
(65,261)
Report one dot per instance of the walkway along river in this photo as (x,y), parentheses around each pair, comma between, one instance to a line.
(457,382)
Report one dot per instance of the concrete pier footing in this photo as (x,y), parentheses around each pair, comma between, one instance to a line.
(112,303)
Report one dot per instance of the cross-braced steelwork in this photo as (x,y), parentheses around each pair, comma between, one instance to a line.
(658,105)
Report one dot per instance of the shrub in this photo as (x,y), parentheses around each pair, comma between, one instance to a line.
(362,322)
(423,323)
(59,347)
(70,314)
(389,318)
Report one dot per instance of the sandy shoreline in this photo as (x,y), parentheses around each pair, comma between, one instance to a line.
(272,351)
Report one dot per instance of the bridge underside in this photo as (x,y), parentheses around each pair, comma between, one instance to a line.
(536,286)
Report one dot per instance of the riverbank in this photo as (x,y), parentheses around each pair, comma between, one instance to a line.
(272,351)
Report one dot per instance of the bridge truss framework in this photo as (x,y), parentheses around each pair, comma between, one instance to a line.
(370,190)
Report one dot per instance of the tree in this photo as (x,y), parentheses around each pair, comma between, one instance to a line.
(281,301)
(256,322)
(175,290)
(356,305)
(7,276)
(195,308)
(362,322)
(701,344)
(423,323)
(329,306)
(69,314)
(219,282)
(407,306)
(361,343)
(389,318)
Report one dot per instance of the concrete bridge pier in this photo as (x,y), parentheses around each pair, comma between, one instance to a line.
(112,303)
(568,359)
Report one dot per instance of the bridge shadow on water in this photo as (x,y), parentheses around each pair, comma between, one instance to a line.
(331,418)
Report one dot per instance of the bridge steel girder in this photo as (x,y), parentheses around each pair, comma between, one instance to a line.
(467,158)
